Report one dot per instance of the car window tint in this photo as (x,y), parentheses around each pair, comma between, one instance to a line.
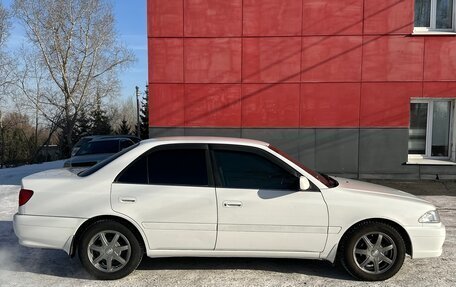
(178,167)
(238,169)
(135,173)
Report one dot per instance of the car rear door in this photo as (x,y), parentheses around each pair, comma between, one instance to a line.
(169,191)
(260,207)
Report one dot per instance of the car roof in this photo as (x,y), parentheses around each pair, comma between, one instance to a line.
(108,139)
(205,140)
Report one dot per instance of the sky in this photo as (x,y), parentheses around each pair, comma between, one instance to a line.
(132,28)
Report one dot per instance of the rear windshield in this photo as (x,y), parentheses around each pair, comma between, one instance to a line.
(97,147)
(323,178)
(106,161)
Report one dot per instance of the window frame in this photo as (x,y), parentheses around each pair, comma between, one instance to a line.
(256,151)
(433,21)
(429,127)
(210,174)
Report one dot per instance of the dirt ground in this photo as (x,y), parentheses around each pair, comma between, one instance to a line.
(21,266)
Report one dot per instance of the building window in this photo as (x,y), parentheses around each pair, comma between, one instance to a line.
(434,15)
(430,129)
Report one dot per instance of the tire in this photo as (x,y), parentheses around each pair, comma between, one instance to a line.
(108,250)
(372,251)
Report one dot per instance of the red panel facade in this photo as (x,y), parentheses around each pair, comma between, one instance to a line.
(271,59)
(165,18)
(166,106)
(387,104)
(219,104)
(331,59)
(330,104)
(440,59)
(329,17)
(295,63)
(270,105)
(166,60)
(212,18)
(272,18)
(388,17)
(212,60)
(393,58)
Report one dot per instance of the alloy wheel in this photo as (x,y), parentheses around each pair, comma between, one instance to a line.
(109,251)
(375,252)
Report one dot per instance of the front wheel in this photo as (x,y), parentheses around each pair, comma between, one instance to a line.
(108,250)
(373,251)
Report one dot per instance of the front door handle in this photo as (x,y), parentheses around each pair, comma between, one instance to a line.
(127,199)
(232,204)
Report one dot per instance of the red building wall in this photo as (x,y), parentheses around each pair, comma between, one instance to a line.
(292,64)
(295,63)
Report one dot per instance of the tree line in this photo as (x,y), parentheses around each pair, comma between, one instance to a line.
(62,83)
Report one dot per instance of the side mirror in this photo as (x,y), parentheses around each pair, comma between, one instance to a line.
(304,183)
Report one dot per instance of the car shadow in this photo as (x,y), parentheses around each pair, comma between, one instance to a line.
(287,266)
(17,258)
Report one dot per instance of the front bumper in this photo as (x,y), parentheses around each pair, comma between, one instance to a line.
(427,240)
(46,231)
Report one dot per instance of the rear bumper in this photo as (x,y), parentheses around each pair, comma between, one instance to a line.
(427,241)
(46,231)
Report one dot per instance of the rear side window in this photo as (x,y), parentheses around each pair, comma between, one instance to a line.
(246,170)
(136,173)
(178,167)
(169,166)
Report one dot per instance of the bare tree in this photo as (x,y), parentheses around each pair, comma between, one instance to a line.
(124,109)
(5,61)
(5,25)
(31,89)
(77,43)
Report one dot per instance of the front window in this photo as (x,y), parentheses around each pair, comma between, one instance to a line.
(430,128)
(246,170)
(434,15)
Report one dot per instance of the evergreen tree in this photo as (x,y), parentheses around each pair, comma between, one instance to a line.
(144,115)
(82,127)
(124,128)
(100,121)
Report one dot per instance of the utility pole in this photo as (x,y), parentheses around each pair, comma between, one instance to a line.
(138,128)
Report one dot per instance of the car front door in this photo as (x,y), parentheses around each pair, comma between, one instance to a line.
(169,191)
(260,207)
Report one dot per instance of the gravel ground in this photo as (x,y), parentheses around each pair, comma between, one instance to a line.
(21,266)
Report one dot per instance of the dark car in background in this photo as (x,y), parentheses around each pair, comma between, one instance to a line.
(87,139)
(97,149)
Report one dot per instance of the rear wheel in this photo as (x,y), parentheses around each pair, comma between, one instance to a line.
(108,250)
(372,251)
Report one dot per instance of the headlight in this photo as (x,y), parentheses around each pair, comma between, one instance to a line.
(430,217)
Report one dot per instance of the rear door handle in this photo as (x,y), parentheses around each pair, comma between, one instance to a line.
(232,204)
(127,199)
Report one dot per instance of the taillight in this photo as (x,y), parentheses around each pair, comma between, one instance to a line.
(24,196)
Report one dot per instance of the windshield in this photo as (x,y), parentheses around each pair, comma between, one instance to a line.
(96,147)
(106,161)
(323,178)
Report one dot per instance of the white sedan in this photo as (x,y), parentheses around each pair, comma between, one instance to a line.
(221,197)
